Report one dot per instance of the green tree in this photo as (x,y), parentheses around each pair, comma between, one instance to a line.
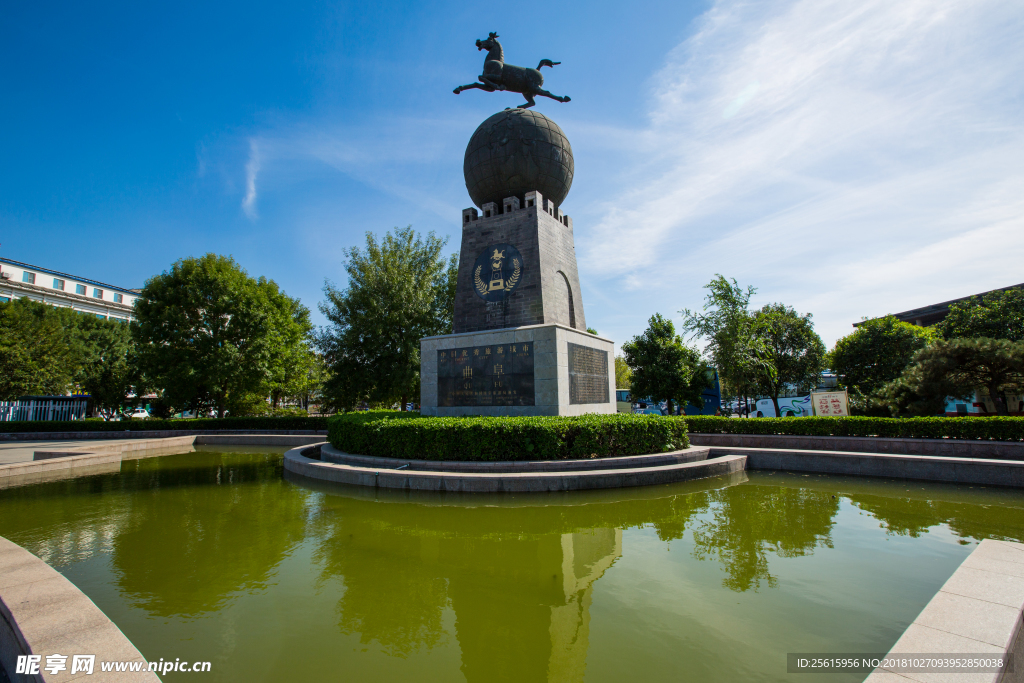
(47,350)
(794,354)
(400,289)
(958,368)
(997,315)
(208,333)
(727,326)
(662,367)
(877,353)
(37,353)
(622,373)
(107,370)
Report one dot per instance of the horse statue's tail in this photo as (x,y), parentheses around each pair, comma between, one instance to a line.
(546,62)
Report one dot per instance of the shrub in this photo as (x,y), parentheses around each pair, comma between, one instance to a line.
(198,424)
(408,436)
(986,428)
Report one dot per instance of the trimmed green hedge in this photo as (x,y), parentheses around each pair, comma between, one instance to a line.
(399,435)
(986,428)
(198,424)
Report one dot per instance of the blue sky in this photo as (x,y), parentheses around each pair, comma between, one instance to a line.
(847,158)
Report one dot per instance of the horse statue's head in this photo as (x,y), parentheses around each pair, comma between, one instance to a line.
(490,43)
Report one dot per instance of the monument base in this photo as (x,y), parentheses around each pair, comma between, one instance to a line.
(532,370)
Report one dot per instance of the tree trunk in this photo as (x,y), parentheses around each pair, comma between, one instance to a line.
(402,407)
(999,400)
(668,406)
(775,400)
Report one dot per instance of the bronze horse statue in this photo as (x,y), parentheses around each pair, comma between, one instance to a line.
(498,75)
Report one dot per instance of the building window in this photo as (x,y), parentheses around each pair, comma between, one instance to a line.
(118,298)
(80,289)
(58,284)
(97,293)
(101,316)
(28,277)
(4,299)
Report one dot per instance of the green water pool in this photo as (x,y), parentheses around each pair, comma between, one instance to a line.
(221,557)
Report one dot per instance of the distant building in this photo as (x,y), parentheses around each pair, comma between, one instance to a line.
(52,287)
(927,316)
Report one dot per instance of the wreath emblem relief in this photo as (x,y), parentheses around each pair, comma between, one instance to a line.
(481,286)
(511,282)
(497,273)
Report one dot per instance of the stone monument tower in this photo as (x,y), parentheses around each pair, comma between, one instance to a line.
(519,344)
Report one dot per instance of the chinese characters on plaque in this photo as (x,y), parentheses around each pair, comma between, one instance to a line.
(588,375)
(830,403)
(496,375)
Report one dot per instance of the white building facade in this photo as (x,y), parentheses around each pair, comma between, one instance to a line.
(52,287)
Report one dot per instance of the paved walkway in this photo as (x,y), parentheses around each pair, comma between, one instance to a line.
(21,451)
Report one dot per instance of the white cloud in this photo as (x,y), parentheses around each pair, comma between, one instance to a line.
(850,159)
(252,169)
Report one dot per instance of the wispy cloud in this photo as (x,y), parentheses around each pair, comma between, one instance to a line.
(252,169)
(850,159)
(394,155)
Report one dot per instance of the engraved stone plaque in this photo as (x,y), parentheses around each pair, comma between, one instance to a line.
(588,375)
(495,375)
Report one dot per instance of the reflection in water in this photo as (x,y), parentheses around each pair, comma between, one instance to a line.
(221,547)
(518,580)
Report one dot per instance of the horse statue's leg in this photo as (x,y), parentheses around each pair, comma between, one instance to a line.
(491,86)
(529,101)
(545,93)
(471,86)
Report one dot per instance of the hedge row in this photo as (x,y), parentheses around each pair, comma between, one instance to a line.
(985,428)
(197,424)
(505,438)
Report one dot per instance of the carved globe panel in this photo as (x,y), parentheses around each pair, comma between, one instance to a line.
(518,151)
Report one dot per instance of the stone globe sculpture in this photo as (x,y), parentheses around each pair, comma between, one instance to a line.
(514,152)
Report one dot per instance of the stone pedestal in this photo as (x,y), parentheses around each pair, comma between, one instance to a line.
(530,370)
(520,345)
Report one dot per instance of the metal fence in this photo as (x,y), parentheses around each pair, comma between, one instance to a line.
(42,409)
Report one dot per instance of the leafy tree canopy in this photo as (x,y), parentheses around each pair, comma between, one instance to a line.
(46,350)
(38,354)
(663,367)
(958,368)
(400,289)
(727,326)
(793,353)
(997,315)
(877,353)
(208,333)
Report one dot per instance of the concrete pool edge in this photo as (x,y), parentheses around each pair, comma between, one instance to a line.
(507,482)
(978,610)
(85,460)
(42,613)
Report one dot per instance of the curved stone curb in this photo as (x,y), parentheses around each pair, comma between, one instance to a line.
(329,453)
(42,613)
(508,482)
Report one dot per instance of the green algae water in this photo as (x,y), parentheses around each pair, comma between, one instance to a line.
(221,557)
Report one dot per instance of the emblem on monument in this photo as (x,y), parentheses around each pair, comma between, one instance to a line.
(497,272)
